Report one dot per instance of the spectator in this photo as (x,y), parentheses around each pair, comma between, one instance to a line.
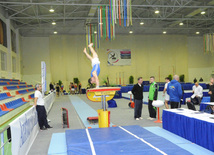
(57,89)
(62,88)
(211,90)
(72,89)
(165,92)
(80,88)
(175,92)
(137,91)
(40,108)
(153,95)
(197,94)
(51,87)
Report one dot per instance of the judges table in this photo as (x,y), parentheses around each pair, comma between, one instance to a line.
(192,125)
(204,105)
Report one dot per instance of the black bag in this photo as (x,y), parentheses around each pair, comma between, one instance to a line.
(191,106)
(194,101)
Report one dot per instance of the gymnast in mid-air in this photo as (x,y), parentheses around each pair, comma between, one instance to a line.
(95,65)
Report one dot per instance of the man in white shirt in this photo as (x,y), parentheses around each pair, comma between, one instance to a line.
(197,94)
(165,92)
(40,108)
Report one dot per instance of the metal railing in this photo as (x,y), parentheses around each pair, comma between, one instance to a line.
(5,148)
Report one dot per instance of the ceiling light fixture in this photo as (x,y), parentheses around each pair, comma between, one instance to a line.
(53,23)
(157,11)
(141,23)
(51,9)
(55,32)
(181,24)
(164,32)
(203,12)
(130,31)
(197,32)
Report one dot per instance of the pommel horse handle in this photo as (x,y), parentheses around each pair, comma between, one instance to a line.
(105,93)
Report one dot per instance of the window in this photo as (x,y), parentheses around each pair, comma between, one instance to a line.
(3,61)
(13,64)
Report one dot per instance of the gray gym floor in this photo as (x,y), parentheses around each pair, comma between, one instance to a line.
(120,116)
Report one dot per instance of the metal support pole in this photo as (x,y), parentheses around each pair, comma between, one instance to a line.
(2,143)
(104,99)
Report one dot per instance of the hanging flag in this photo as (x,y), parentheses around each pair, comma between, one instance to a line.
(107,23)
(119,12)
(130,9)
(101,23)
(125,12)
(128,3)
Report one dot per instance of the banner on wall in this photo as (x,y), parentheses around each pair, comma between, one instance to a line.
(43,75)
(24,130)
(119,57)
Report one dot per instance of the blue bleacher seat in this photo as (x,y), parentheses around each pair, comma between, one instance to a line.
(4,96)
(31,89)
(15,103)
(3,112)
(20,87)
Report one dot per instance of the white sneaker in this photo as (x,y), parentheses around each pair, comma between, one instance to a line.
(140,118)
(150,118)
(137,119)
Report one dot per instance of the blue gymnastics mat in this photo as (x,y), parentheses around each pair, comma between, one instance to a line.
(119,140)
(122,140)
(58,144)
(84,111)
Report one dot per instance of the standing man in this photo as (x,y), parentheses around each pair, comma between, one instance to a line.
(197,94)
(137,91)
(40,108)
(153,95)
(165,93)
(175,92)
(211,90)
(51,87)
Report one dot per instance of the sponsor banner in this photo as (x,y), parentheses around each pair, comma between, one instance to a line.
(119,57)
(24,130)
(43,72)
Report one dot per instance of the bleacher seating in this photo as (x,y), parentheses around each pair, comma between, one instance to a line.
(3,112)
(31,96)
(11,102)
(186,86)
(5,96)
(15,103)
(16,87)
(9,80)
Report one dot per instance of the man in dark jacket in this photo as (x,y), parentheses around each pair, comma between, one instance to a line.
(137,91)
(175,92)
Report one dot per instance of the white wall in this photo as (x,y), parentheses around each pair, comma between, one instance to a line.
(35,50)
(65,60)
(200,64)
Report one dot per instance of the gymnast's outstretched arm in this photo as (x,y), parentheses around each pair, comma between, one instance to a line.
(88,56)
(92,50)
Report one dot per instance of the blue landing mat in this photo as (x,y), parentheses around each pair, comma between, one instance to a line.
(181,142)
(84,111)
(115,140)
(57,144)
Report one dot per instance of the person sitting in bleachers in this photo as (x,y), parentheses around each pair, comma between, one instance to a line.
(197,94)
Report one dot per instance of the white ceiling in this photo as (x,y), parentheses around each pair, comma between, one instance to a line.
(32,17)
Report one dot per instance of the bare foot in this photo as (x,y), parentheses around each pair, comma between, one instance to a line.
(84,51)
(90,45)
